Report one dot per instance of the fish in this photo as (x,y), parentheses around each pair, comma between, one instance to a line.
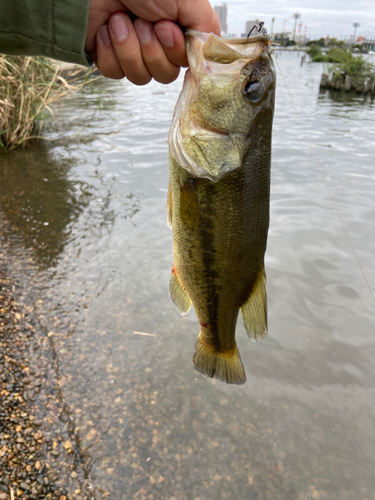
(219,194)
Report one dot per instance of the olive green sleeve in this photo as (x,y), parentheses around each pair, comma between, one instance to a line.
(52,28)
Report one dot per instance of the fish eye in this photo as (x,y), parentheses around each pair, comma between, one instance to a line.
(253,90)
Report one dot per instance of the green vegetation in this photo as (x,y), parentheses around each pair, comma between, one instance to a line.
(344,62)
(358,68)
(320,42)
(334,55)
(28,86)
(339,56)
(333,42)
(345,65)
(359,48)
(284,41)
(314,51)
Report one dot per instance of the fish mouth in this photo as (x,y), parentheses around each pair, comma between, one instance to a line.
(210,49)
(264,37)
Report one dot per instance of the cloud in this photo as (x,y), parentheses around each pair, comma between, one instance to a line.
(322,17)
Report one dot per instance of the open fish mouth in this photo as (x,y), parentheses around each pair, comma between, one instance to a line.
(242,46)
(201,134)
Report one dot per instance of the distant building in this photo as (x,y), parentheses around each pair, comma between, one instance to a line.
(301,40)
(283,39)
(368,45)
(250,25)
(222,13)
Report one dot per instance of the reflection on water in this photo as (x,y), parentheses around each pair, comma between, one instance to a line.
(39,199)
(349,99)
(302,426)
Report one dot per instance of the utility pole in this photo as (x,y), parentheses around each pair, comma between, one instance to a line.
(273,20)
(296,17)
(356,25)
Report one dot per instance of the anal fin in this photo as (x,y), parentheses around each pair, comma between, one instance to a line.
(225,366)
(178,294)
(254,310)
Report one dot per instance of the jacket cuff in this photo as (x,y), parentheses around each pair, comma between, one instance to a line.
(54,28)
(69,27)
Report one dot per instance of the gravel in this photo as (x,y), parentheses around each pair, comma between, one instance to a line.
(40,456)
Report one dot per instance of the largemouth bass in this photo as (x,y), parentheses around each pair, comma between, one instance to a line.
(219,190)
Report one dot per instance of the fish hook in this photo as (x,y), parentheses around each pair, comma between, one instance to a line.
(255,27)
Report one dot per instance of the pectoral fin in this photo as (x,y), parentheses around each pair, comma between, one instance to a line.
(178,294)
(254,310)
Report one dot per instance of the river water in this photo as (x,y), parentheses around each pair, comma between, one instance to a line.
(86,209)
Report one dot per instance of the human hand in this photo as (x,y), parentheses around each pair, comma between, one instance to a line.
(143,40)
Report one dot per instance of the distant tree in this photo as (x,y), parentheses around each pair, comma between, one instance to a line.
(281,39)
(314,51)
(360,48)
(319,42)
(333,42)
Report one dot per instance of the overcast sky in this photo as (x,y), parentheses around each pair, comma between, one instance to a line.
(322,17)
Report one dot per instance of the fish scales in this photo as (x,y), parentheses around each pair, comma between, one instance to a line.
(218,202)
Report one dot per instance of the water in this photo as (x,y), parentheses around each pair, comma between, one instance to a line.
(87,211)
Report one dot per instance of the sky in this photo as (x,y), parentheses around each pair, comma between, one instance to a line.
(322,17)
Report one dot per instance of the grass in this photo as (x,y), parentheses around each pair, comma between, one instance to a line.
(28,86)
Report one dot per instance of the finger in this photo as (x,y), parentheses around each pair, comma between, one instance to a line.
(172,40)
(199,15)
(153,54)
(106,60)
(127,49)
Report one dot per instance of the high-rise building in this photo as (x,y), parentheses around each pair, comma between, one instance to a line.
(222,13)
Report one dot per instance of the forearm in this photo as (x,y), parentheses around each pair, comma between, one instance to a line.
(55,28)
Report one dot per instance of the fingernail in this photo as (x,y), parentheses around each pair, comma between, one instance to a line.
(104,36)
(165,35)
(144,30)
(119,28)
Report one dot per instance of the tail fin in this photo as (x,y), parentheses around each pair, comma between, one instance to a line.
(226,367)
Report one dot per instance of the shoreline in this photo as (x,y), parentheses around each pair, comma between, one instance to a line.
(40,455)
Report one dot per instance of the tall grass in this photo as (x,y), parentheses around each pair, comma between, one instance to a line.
(28,86)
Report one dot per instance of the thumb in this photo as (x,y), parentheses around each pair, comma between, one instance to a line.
(199,15)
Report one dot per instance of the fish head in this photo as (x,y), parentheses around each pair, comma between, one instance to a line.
(227,98)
